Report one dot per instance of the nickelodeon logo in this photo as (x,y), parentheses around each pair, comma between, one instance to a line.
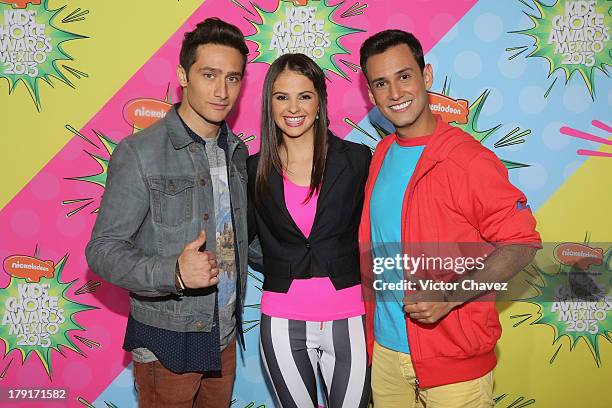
(20,3)
(578,255)
(28,268)
(451,110)
(143,112)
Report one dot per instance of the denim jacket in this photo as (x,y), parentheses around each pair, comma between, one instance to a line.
(158,197)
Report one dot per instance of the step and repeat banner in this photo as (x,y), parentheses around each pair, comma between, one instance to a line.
(529,79)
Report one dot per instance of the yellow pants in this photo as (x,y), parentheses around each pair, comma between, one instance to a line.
(393,386)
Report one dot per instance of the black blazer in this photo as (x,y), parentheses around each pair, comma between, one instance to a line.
(332,249)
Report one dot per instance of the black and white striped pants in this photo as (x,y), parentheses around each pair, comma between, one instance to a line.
(292,349)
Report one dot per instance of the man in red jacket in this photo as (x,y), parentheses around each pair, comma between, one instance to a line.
(435,188)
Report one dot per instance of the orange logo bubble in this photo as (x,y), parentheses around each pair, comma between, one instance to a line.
(578,255)
(451,110)
(28,268)
(143,112)
(20,3)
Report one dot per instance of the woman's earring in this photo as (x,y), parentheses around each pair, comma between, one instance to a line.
(317,117)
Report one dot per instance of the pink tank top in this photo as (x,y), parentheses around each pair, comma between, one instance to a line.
(313,299)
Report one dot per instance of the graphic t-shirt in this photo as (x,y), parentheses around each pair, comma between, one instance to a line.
(224,250)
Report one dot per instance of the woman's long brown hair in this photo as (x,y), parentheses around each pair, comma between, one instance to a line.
(271,135)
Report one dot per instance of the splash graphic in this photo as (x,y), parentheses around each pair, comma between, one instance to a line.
(575,301)
(573,36)
(518,402)
(248,405)
(88,404)
(31,46)
(36,313)
(590,137)
(98,178)
(139,113)
(461,114)
(252,311)
(307,29)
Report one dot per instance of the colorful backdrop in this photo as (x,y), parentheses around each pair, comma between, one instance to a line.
(527,78)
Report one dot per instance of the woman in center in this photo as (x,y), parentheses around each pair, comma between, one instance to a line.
(306,189)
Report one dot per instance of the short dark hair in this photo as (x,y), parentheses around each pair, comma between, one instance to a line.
(213,30)
(382,41)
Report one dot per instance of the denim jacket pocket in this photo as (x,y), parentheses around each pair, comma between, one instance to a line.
(171,200)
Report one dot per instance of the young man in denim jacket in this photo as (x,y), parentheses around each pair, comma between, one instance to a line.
(172,230)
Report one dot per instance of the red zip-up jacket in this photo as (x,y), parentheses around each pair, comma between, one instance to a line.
(459,192)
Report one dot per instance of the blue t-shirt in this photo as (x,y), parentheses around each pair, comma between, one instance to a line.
(385,221)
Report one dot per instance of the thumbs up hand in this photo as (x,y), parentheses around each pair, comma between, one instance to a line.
(198,269)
